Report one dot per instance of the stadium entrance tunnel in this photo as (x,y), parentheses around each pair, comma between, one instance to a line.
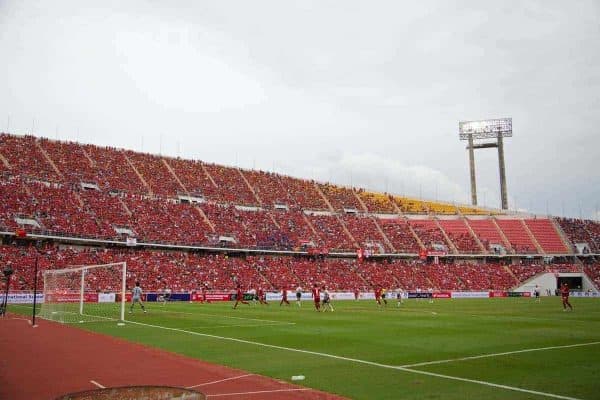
(136,393)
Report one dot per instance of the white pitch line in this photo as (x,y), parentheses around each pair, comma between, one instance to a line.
(240,326)
(216,316)
(257,392)
(358,361)
(219,381)
(97,384)
(506,353)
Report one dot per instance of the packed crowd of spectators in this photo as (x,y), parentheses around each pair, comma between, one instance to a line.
(231,187)
(331,232)
(582,231)
(379,203)
(399,234)
(25,157)
(429,233)
(182,271)
(364,230)
(304,193)
(340,197)
(269,189)
(71,160)
(113,171)
(61,204)
(155,173)
(193,177)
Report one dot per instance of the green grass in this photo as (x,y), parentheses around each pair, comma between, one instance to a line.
(415,333)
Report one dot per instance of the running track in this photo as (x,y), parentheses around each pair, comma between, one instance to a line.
(54,359)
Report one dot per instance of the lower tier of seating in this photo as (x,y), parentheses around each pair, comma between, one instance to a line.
(182,271)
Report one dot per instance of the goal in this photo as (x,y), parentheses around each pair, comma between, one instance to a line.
(85,294)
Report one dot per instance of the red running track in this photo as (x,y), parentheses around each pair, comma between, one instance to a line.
(53,359)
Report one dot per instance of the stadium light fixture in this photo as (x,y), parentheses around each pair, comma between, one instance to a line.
(487,129)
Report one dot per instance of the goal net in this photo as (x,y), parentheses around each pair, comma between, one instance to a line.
(85,294)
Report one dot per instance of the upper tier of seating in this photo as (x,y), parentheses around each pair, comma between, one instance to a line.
(459,233)
(86,190)
(546,235)
(582,231)
(516,234)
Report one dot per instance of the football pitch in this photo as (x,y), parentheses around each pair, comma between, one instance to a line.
(450,349)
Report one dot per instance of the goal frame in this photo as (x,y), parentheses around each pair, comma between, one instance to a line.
(82,282)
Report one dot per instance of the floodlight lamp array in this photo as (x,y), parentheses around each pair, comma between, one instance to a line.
(485,129)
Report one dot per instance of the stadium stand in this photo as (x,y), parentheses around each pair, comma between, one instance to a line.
(25,157)
(365,232)
(517,236)
(460,235)
(268,188)
(155,172)
(410,206)
(400,236)
(582,231)
(546,235)
(231,186)
(332,234)
(378,203)
(113,171)
(304,193)
(430,234)
(183,272)
(78,190)
(70,158)
(341,198)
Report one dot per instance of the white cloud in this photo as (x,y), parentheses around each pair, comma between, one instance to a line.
(381,173)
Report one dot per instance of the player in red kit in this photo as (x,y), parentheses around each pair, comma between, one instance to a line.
(239,297)
(261,296)
(316,294)
(284,297)
(564,294)
(378,291)
(356,294)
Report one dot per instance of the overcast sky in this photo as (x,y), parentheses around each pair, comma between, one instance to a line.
(363,93)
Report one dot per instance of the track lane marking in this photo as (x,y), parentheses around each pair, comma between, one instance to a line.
(219,381)
(258,392)
(97,384)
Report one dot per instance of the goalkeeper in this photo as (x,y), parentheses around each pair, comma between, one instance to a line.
(136,297)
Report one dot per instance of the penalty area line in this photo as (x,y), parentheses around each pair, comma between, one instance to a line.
(358,361)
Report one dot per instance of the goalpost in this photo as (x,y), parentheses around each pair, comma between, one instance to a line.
(85,294)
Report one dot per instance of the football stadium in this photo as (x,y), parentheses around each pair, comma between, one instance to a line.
(130,273)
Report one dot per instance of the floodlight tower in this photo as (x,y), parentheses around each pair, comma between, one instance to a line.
(487,129)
